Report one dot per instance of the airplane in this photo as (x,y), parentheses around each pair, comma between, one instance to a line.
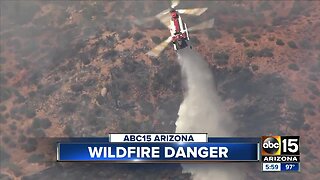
(179,33)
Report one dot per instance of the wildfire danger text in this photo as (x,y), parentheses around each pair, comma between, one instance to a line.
(155,152)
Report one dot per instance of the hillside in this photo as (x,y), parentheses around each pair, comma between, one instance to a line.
(58,57)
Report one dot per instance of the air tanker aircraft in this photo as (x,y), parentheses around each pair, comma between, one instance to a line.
(179,33)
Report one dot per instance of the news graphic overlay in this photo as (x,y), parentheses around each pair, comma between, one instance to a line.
(159,148)
(280,153)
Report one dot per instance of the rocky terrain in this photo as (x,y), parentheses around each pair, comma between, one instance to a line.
(79,69)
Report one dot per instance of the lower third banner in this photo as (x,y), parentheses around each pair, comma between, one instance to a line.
(157,152)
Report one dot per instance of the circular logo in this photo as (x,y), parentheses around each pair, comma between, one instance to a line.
(270,145)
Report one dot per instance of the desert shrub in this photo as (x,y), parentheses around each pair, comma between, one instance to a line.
(279,42)
(156,39)
(278,21)
(22,138)
(306,127)
(292,45)
(123,35)
(69,107)
(29,112)
(266,52)
(221,58)
(4,156)
(293,67)
(85,61)
(90,82)
(41,123)
(253,37)
(129,126)
(30,145)
(305,44)
(213,34)
(5,94)
(49,89)
(2,119)
(111,54)
(35,77)
(35,158)
(271,38)
(155,61)
(239,40)
(76,87)
(6,139)
(146,108)
(311,112)
(68,130)
(20,12)
(314,89)
(2,60)
(13,126)
(3,108)
(137,36)
(251,53)
(246,44)
(313,77)
(255,67)
(195,40)
(294,105)
(317,46)
(297,8)
(37,132)
(263,6)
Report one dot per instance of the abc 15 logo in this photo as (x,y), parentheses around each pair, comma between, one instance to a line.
(280,145)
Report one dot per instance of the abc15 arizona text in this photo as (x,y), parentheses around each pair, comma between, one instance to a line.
(280,148)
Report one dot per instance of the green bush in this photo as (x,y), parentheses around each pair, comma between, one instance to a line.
(137,36)
(253,37)
(279,42)
(293,67)
(292,45)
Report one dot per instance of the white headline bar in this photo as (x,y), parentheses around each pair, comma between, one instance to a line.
(165,138)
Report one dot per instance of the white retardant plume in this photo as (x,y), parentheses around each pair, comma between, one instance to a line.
(202,112)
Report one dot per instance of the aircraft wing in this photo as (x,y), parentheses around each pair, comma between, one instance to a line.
(193,11)
(155,52)
(204,25)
